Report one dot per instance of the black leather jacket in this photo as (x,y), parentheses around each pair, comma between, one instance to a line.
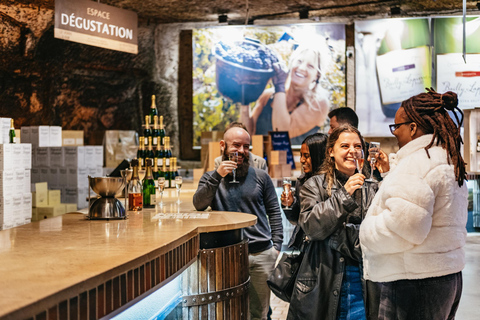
(332,227)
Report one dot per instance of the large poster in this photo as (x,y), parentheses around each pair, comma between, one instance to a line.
(393,63)
(453,74)
(284,78)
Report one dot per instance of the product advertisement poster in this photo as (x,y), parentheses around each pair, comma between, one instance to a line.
(271,78)
(453,74)
(392,63)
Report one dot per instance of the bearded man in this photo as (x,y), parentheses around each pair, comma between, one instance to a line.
(255,194)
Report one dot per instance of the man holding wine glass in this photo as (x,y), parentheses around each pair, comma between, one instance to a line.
(254,193)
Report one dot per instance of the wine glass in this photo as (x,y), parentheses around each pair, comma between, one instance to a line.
(141,174)
(287,188)
(178,185)
(233,156)
(161,188)
(373,151)
(359,158)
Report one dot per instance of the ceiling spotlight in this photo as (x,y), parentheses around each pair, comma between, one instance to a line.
(222,18)
(303,14)
(395,10)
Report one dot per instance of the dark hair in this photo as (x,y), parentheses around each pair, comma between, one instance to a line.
(235,124)
(317,144)
(430,112)
(344,115)
(328,167)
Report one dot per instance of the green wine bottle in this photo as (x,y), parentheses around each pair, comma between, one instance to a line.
(141,152)
(11,132)
(146,131)
(153,110)
(161,132)
(149,196)
(155,133)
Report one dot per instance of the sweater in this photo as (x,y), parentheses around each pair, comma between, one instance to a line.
(415,227)
(254,194)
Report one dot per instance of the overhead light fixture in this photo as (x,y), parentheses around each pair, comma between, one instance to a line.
(222,18)
(303,14)
(395,11)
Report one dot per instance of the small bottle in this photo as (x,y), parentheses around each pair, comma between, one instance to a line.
(135,194)
(161,132)
(155,133)
(149,196)
(153,110)
(141,152)
(166,174)
(11,133)
(147,132)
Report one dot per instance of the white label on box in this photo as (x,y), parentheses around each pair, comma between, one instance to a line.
(89,156)
(55,136)
(18,156)
(69,141)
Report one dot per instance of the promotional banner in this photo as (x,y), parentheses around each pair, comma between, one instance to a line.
(270,78)
(96,24)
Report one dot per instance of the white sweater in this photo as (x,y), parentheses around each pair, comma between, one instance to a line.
(415,227)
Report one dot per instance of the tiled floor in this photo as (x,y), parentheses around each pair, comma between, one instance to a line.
(469,304)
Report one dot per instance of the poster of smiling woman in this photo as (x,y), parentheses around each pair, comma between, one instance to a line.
(270,78)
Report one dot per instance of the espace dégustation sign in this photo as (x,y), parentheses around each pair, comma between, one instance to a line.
(96,24)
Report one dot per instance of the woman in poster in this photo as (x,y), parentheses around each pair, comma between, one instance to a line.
(297,103)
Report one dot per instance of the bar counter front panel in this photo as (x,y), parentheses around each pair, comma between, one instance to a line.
(68,267)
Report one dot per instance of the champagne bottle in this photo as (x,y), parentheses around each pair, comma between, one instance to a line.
(155,133)
(160,156)
(147,132)
(153,110)
(141,152)
(175,167)
(149,196)
(135,194)
(172,173)
(11,133)
(168,152)
(161,132)
(156,174)
(166,175)
(150,154)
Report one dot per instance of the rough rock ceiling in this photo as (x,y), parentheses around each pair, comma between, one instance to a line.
(170,11)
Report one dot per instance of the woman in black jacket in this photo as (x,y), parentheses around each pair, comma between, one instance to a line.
(333,204)
(312,154)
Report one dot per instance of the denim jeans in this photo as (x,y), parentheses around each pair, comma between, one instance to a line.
(431,298)
(352,306)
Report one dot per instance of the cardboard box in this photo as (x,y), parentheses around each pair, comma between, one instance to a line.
(277,157)
(7,183)
(257,145)
(70,207)
(76,195)
(53,178)
(27,155)
(4,129)
(206,138)
(6,157)
(77,178)
(42,157)
(74,157)
(72,138)
(89,156)
(57,156)
(54,197)
(40,195)
(213,152)
(25,134)
(55,139)
(40,136)
(27,181)
(18,156)
(119,145)
(279,171)
(50,211)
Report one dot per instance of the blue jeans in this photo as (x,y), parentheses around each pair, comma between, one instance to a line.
(352,306)
(431,298)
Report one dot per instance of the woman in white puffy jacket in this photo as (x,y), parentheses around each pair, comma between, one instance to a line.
(413,235)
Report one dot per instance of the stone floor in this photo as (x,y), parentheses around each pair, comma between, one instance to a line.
(469,303)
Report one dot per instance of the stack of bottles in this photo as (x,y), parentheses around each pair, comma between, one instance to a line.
(154,144)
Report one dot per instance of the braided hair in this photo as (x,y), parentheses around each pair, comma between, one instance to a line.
(429,111)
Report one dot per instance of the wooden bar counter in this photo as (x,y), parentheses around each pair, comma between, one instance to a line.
(68,267)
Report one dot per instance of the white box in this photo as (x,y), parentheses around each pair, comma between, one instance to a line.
(40,136)
(6,209)
(62,177)
(90,156)
(18,156)
(77,178)
(55,136)
(75,157)
(27,207)
(7,183)
(6,156)
(27,181)
(27,155)
(53,176)
(98,157)
(19,180)
(42,157)
(57,156)
(5,128)
(25,134)
(17,213)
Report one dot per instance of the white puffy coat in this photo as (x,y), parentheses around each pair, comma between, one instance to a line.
(415,227)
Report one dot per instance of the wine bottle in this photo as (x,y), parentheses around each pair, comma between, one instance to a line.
(161,132)
(135,194)
(147,132)
(168,152)
(155,173)
(153,110)
(160,156)
(172,173)
(149,196)
(150,154)
(11,133)
(141,152)
(155,133)
(175,167)
(166,175)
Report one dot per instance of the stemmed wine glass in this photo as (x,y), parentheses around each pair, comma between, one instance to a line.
(359,158)
(233,156)
(373,151)
(287,188)
(161,188)
(178,185)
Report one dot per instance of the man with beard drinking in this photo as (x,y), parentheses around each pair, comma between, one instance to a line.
(253,194)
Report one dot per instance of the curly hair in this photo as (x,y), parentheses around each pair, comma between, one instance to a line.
(429,111)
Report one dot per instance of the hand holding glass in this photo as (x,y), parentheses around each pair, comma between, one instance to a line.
(178,185)
(374,150)
(233,156)
(161,188)
(359,157)
(287,188)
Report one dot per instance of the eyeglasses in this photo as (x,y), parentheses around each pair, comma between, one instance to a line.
(395,126)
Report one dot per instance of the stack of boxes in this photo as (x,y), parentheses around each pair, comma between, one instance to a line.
(15,192)
(277,164)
